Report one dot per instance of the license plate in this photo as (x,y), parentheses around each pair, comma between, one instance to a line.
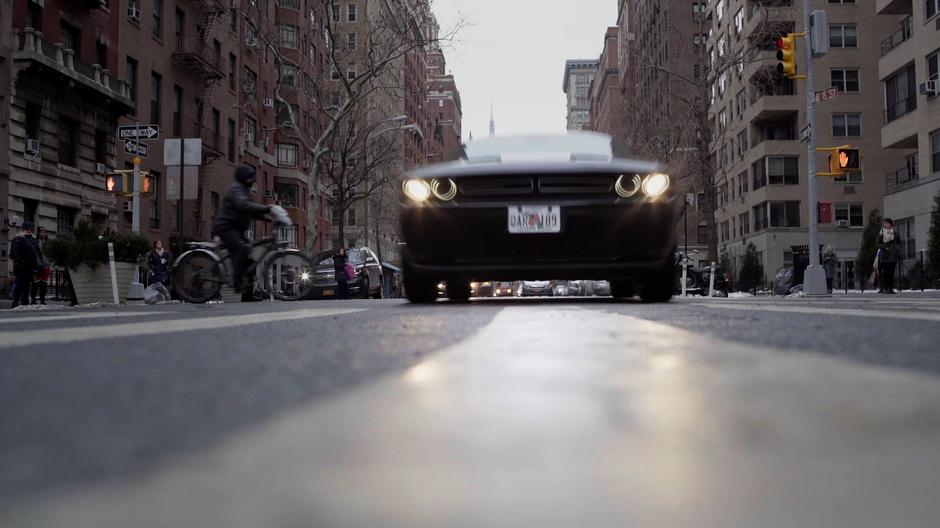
(327,292)
(534,219)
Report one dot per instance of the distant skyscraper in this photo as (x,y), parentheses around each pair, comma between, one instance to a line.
(492,122)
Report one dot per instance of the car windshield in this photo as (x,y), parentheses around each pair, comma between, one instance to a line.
(589,145)
(353,256)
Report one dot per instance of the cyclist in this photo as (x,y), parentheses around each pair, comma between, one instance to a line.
(232,221)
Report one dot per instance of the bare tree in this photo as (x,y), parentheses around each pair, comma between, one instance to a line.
(692,140)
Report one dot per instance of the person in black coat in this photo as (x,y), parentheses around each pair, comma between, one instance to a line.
(339,268)
(238,209)
(159,261)
(889,248)
(26,264)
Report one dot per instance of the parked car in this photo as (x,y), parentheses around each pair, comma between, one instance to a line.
(536,288)
(502,289)
(551,206)
(560,289)
(482,289)
(601,288)
(368,281)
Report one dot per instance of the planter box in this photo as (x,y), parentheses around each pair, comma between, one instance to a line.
(94,285)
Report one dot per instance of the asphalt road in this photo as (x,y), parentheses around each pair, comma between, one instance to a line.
(516,412)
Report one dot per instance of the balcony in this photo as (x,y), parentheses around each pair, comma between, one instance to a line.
(91,80)
(902,178)
(893,7)
(897,38)
(213,144)
(194,54)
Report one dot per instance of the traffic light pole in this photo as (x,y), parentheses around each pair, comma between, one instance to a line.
(136,291)
(814,279)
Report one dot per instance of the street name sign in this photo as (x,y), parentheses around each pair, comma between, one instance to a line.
(135,148)
(827,94)
(139,132)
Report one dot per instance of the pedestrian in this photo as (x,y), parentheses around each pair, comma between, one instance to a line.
(829,262)
(339,270)
(888,248)
(160,263)
(40,281)
(25,263)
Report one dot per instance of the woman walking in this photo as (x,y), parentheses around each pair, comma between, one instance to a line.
(888,249)
(829,263)
(339,269)
(41,280)
(160,261)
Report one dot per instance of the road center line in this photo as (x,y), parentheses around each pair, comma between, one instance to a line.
(135,329)
(796,308)
(67,317)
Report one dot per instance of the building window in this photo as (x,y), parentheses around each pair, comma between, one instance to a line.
(744,224)
(853,178)
(843,36)
(351,41)
(905,233)
(760,216)
(155,201)
(351,216)
(155,97)
(232,68)
(216,126)
(101,54)
(289,4)
(851,214)
(846,125)
(785,214)
(251,130)
(101,146)
(64,219)
(34,16)
(351,73)
(935,150)
(132,80)
(29,210)
(351,12)
(71,39)
(286,155)
(289,36)
(177,111)
(231,140)
(702,234)
(334,217)
(68,142)
(286,194)
(720,10)
(845,80)
(739,21)
(742,143)
(933,65)
(33,120)
(179,27)
(931,7)
(157,29)
(288,75)
(783,170)
(900,94)
(334,11)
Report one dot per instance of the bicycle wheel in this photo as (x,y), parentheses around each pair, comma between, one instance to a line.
(198,277)
(288,275)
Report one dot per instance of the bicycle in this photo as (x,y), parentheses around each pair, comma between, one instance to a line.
(287,274)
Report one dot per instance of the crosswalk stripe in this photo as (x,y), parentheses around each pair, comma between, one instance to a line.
(68,317)
(798,308)
(135,329)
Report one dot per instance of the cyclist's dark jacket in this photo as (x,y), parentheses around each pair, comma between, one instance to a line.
(237,210)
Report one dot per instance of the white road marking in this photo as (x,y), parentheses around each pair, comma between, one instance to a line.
(66,317)
(800,308)
(143,328)
(555,416)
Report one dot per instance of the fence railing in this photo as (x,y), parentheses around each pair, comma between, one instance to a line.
(898,37)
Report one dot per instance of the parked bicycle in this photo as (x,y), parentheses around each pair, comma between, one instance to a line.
(287,274)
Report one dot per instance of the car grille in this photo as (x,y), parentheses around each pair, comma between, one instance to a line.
(495,187)
(575,184)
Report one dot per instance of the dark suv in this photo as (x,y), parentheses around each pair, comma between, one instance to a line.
(368,281)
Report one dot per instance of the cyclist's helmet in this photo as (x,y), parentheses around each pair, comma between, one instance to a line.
(245,175)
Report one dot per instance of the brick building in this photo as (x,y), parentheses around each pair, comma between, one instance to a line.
(606,99)
(444,110)
(577,84)
(6,35)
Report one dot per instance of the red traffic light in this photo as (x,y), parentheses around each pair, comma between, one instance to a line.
(781,44)
(147,185)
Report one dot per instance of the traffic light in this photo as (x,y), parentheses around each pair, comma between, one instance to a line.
(147,185)
(844,160)
(116,183)
(786,54)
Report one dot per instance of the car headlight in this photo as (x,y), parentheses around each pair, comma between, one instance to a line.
(417,190)
(626,190)
(446,190)
(655,184)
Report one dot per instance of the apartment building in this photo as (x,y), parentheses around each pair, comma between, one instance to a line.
(909,70)
(68,92)
(606,103)
(6,84)
(758,115)
(444,110)
(577,85)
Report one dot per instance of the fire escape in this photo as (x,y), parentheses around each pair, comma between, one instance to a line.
(201,55)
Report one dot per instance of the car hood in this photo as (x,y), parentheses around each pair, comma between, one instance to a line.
(532,165)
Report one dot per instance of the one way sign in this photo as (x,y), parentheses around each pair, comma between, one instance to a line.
(144,132)
(135,148)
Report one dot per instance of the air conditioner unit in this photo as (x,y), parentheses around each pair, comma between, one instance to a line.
(129,206)
(930,88)
(249,88)
(286,124)
(249,137)
(133,13)
(100,169)
(32,148)
(268,102)
(251,42)
(842,223)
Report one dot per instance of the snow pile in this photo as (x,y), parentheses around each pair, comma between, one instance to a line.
(739,295)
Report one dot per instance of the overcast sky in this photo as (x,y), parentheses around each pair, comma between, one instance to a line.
(514,52)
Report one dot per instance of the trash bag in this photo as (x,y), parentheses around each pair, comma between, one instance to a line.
(156,293)
(783,281)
